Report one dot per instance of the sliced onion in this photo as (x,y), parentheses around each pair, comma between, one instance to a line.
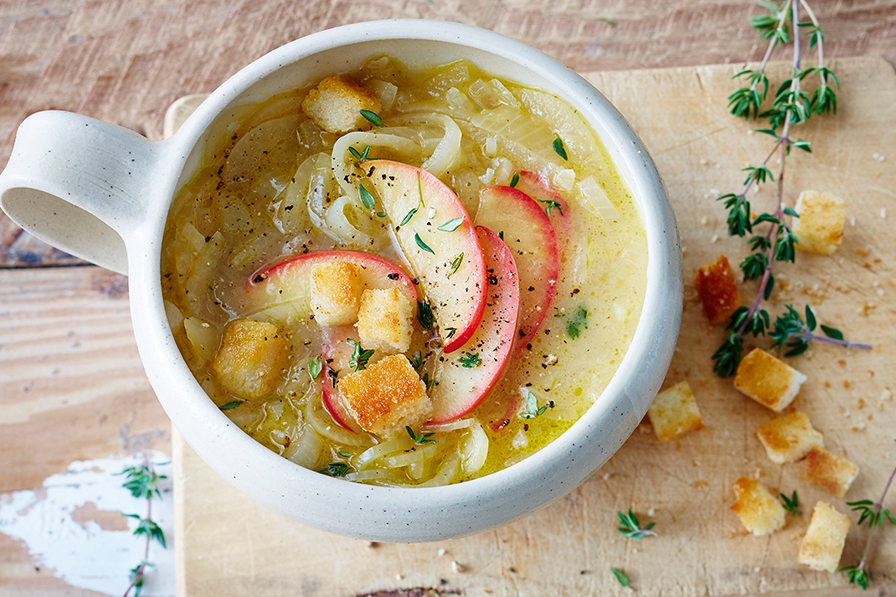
(397,444)
(473,449)
(321,422)
(343,162)
(306,450)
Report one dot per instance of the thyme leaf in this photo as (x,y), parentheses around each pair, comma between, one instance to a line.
(230,405)
(470,360)
(631,527)
(421,438)
(315,367)
(373,118)
(422,244)
(621,578)
(451,225)
(559,148)
(366,198)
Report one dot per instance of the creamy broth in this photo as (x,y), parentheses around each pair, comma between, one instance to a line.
(268,192)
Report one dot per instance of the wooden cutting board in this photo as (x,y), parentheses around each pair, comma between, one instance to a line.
(229,545)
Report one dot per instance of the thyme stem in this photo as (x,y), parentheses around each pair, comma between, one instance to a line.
(877,508)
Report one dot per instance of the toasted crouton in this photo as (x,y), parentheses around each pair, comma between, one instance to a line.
(336,291)
(830,472)
(386,320)
(335,105)
(820,226)
(767,380)
(674,412)
(759,511)
(718,290)
(823,544)
(386,396)
(250,359)
(789,438)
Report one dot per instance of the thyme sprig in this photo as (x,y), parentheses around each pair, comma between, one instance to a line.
(631,527)
(420,438)
(791,106)
(791,504)
(143,483)
(875,514)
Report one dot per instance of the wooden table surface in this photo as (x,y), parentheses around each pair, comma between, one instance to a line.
(71,385)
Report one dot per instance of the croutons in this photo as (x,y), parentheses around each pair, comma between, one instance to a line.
(823,544)
(789,438)
(718,290)
(336,289)
(674,412)
(767,380)
(830,472)
(820,226)
(759,511)
(335,105)
(386,396)
(250,359)
(386,320)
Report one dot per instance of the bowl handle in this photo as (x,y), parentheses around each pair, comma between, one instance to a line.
(80,185)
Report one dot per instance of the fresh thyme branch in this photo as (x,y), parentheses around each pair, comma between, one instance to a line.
(791,106)
(143,482)
(876,515)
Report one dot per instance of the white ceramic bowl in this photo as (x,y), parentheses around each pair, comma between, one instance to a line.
(103,193)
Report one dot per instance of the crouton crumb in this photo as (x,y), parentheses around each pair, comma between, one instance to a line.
(767,380)
(759,511)
(250,358)
(830,472)
(386,397)
(336,288)
(718,290)
(335,105)
(789,438)
(674,412)
(386,320)
(822,546)
(819,227)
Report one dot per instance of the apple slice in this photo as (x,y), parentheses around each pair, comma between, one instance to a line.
(282,292)
(466,375)
(336,355)
(537,186)
(527,230)
(436,235)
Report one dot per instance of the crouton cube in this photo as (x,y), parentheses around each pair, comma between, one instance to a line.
(335,105)
(386,396)
(830,472)
(718,290)
(336,289)
(767,380)
(251,357)
(789,438)
(674,412)
(820,226)
(823,544)
(759,511)
(386,320)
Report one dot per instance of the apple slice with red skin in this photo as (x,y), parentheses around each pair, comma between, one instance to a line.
(538,188)
(466,375)
(336,355)
(290,282)
(435,233)
(527,230)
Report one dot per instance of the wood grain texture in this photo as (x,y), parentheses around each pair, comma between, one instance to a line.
(227,545)
(124,61)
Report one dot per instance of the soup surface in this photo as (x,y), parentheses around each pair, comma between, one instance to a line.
(407,277)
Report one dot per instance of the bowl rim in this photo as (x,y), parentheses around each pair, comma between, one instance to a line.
(618,409)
